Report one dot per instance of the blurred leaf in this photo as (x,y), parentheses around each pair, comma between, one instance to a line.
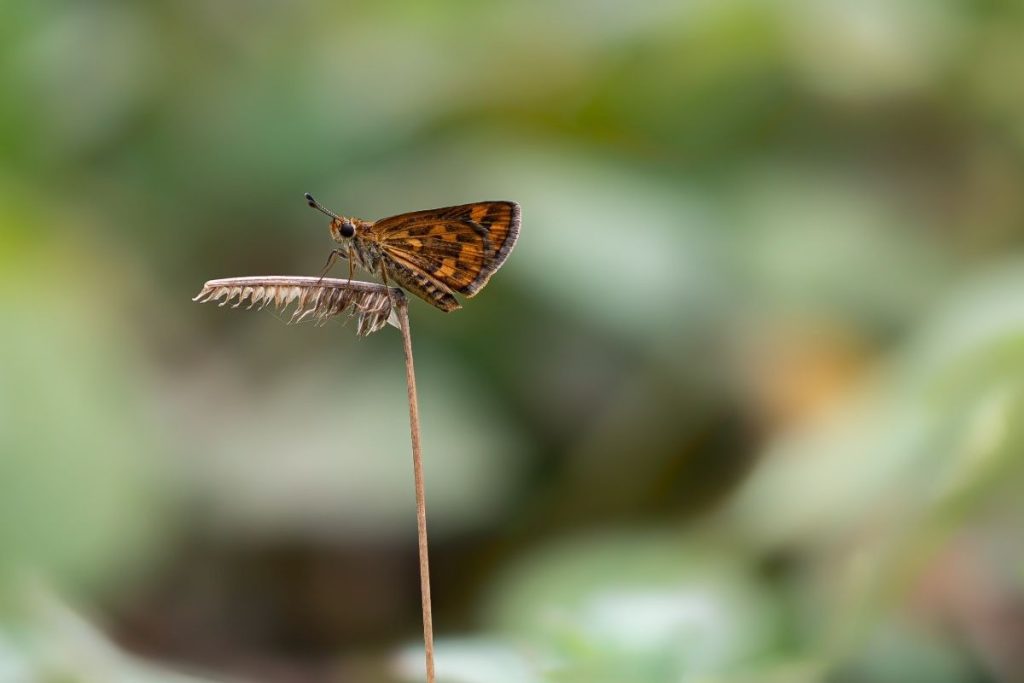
(81,498)
(52,644)
(329,454)
(885,481)
(637,607)
(902,653)
(470,660)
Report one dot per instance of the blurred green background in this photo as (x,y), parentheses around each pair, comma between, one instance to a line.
(744,405)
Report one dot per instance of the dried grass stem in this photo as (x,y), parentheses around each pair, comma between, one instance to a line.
(402,308)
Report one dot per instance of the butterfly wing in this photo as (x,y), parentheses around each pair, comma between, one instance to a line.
(458,247)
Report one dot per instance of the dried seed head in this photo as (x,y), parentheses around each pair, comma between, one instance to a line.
(316,299)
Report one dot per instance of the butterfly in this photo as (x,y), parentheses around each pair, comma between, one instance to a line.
(433,254)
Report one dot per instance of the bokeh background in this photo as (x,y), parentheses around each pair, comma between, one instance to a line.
(744,405)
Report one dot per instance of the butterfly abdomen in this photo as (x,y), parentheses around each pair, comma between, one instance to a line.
(422,285)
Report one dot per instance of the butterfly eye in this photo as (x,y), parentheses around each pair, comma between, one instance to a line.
(347,229)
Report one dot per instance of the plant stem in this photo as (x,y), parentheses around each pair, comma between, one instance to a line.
(402,308)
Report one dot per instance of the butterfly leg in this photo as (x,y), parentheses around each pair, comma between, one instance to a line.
(351,264)
(384,278)
(335,253)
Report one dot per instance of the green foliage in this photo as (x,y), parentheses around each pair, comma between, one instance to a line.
(743,405)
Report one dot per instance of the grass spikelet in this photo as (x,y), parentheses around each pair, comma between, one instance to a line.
(310,299)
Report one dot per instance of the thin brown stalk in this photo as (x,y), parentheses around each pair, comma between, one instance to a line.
(374,306)
(402,308)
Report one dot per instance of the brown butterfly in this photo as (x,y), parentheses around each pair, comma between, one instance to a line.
(433,253)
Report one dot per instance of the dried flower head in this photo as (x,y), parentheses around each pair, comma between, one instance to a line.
(315,299)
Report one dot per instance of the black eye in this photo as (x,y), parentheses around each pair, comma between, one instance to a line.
(347,229)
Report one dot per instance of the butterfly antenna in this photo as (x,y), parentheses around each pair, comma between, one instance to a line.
(316,205)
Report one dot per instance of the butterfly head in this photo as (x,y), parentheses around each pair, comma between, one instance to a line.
(342,229)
